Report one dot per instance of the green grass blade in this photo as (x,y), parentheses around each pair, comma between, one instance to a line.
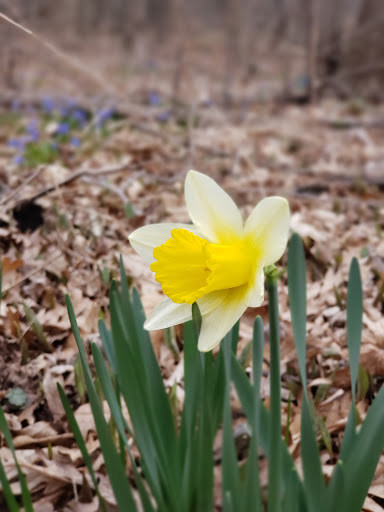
(228,503)
(244,390)
(205,461)
(206,433)
(354,330)
(274,459)
(25,494)
(196,318)
(135,387)
(218,388)
(232,488)
(363,456)
(80,443)
(106,339)
(336,487)
(160,401)
(193,376)
(116,471)
(235,336)
(252,492)
(148,371)
(354,320)
(313,477)
(298,301)
(294,500)
(121,424)
(231,484)
(7,491)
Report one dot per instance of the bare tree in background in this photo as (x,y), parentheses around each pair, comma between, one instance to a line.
(363,60)
(340,42)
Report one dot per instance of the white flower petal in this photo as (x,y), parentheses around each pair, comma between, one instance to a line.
(219,321)
(211,209)
(269,225)
(211,301)
(146,238)
(168,313)
(255,293)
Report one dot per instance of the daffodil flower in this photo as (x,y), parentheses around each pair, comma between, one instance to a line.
(217,261)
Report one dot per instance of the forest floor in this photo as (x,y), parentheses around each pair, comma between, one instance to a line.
(78,173)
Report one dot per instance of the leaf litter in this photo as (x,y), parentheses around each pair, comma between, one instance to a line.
(325,160)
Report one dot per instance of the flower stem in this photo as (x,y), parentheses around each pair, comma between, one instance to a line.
(274,463)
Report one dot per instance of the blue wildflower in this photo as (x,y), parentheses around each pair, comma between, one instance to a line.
(33,131)
(163,117)
(18,160)
(80,117)
(62,129)
(154,99)
(48,104)
(76,142)
(16,144)
(104,115)
(67,107)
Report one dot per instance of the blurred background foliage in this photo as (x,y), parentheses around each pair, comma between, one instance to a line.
(317,46)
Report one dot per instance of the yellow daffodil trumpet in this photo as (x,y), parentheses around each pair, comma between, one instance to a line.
(217,261)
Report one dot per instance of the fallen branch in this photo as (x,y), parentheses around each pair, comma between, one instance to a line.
(75,176)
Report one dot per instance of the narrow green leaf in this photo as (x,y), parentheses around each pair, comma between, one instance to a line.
(354,330)
(354,320)
(121,424)
(134,387)
(7,491)
(25,494)
(274,458)
(155,445)
(115,470)
(252,493)
(196,318)
(218,389)
(193,376)
(294,499)
(106,339)
(231,484)
(158,401)
(228,502)
(80,442)
(235,336)
(298,301)
(244,390)
(206,433)
(158,394)
(79,379)
(361,460)
(313,477)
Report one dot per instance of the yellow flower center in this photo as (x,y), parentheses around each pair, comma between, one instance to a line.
(188,266)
